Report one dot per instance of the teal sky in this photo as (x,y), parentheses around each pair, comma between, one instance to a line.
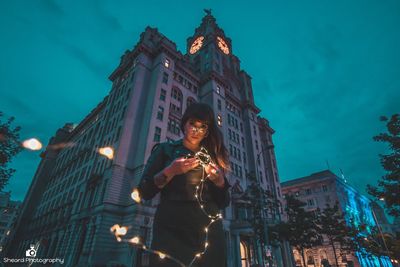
(323,71)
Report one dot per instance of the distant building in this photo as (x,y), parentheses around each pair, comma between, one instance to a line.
(320,189)
(9,210)
(77,194)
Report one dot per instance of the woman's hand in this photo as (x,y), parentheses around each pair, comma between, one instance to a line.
(215,174)
(180,166)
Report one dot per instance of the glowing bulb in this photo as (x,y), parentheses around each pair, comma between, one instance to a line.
(195,195)
(197,187)
(161,255)
(135,240)
(114,227)
(135,195)
(212,220)
(107,151)
(202,206)
(206,244)
(206,229)
(32,144)
(198,255)
(119,239)
(122,231)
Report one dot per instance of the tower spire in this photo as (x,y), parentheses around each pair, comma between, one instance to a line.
(208,11)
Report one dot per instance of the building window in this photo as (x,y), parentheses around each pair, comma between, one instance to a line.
(174,108)
(219,104)
(157,134)
(310,202)
(160,113)
(176,94)
(219,120)
(173,126)
(244,254)
(165,78)
(167,63)
(324,188)
(218,89)
(163,94)
(308,191)
(189,101)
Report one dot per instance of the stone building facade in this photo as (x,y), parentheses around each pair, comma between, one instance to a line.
(77,194)
(320,189)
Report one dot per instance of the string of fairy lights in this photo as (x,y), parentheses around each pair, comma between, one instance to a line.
(119,231)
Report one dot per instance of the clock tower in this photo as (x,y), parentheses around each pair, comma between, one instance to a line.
(209,49)
(211,56)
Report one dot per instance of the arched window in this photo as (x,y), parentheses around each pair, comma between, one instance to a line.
(176,94)
(244,254)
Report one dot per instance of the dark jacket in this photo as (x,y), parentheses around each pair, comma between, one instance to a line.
(178,228)
(183,186)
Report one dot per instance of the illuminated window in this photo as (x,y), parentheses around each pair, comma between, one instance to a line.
(166,63)
(218,89)
(219,120)
(244,254)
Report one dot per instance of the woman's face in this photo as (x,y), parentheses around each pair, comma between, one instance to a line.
(195,131)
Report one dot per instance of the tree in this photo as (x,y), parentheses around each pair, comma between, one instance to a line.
(334,228)
(373,242)
(300,228)
(9,147)
(262,202)
(389,185)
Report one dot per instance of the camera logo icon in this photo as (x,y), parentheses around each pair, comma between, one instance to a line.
(31,252)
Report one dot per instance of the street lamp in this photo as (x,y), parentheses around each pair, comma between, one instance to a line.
(266,237)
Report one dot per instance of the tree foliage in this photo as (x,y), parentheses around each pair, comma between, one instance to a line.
(388,188)
(263,206)
(337,232)
(9,147)
(300,229)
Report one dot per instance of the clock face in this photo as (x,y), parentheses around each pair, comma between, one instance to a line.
(196,45)
(222,45)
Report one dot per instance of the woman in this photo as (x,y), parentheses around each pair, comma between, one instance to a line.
(179,221)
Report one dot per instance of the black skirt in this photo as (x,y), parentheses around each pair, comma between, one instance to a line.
(179,230)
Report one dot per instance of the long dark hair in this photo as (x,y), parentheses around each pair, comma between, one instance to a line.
(214,140)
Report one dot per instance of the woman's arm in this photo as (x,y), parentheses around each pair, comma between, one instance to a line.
(151,174)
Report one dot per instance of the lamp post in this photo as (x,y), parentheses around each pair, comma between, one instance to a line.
(265,224)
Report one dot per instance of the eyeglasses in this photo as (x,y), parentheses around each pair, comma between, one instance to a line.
(201,130)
